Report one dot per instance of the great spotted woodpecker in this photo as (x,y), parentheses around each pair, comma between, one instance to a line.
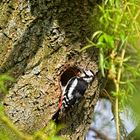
(74,90)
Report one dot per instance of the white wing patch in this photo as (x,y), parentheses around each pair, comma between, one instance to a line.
(70,96)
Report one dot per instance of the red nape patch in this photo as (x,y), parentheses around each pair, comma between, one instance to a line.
(60,103)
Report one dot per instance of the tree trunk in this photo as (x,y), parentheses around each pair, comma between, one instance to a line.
(39,43)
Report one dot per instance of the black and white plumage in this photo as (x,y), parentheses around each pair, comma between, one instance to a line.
(75,89)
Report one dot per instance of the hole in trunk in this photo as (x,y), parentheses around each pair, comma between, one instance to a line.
(68,74)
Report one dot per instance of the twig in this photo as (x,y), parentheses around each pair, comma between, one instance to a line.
(117,81)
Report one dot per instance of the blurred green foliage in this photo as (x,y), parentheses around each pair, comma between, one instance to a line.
(119,53)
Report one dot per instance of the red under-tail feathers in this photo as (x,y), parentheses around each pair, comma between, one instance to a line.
(56,115)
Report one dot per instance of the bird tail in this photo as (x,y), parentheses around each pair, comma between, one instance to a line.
(55,117)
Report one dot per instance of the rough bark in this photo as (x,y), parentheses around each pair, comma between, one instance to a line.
(39,42)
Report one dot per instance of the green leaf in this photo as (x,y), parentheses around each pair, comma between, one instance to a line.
(102,62)
(109,40)
(87,47)
(96,34)
(91,44)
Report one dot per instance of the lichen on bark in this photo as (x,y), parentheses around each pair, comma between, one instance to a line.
(40,40)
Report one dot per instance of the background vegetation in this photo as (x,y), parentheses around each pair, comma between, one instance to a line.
(119,54)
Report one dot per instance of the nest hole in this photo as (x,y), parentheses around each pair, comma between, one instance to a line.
(68,74)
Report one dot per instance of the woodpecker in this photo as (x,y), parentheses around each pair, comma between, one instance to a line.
(74,90)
